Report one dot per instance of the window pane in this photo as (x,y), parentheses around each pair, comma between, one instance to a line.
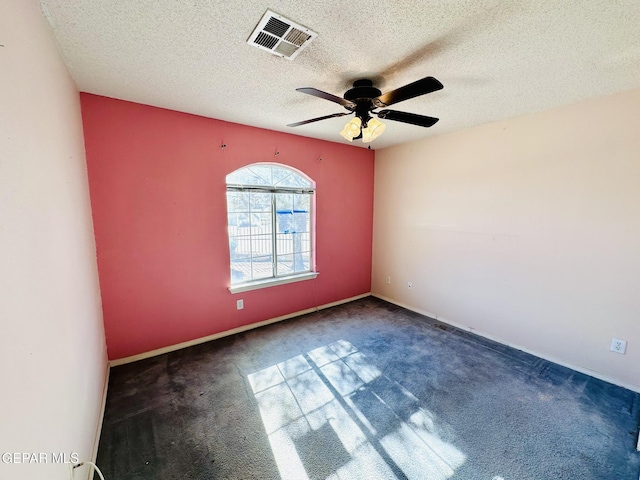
(237,202)
(284,243)
(260,202)
(302,262)
(262,267)
(263,173)
(280,175)
(238,275)
(262,223)
(293,180)
(298,243)
(240,245)
(294,263)
(284,213)
(293,234)
(302,212)
(232,223)
(301,222)
(285,222)
(261,245)
(285,264)
(284,201)
(302,202)
(240,250)
(304,242)
(244,176)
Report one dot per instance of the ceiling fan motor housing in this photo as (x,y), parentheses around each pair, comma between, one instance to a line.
(362,90)
(361,94)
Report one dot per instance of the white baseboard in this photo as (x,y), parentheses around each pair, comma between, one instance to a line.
(103,406)
(244,328)
(586,371)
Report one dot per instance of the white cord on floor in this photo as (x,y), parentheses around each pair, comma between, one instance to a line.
(91,464)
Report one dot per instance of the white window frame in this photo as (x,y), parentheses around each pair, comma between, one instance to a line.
(275,279)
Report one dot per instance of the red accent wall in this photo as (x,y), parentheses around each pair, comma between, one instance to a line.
(157,184)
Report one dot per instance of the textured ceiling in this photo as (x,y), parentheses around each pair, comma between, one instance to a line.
(496,59)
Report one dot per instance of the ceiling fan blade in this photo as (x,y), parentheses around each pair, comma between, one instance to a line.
(415,89)
(412,118)
(304,122)
(327,96)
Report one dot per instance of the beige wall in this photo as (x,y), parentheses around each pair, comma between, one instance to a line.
(526,231)
(52,349)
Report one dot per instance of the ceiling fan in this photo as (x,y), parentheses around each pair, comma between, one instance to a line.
(364,98)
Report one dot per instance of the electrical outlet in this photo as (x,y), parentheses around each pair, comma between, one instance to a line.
(618,346)
(240,304)
(387,280)
(410,285)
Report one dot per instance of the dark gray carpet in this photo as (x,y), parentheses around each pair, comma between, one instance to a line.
(366,390)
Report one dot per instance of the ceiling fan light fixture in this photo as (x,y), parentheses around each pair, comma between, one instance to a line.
(351,129)
(373,130)
(363,99)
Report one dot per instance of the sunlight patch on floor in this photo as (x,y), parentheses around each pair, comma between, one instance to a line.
(331,414)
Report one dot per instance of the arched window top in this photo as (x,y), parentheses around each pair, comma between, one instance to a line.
(269,175)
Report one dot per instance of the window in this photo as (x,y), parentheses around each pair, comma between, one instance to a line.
(269,210)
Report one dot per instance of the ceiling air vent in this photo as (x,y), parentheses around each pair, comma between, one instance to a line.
(281,36)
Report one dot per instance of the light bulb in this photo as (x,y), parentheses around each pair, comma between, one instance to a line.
(351,129)
(373,130)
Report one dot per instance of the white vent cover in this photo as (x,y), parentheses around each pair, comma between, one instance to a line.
(280,36)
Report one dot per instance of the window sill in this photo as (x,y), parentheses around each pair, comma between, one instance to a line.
(272,282)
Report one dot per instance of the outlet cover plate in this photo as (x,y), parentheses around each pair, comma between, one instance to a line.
(240,304)
(618,346)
